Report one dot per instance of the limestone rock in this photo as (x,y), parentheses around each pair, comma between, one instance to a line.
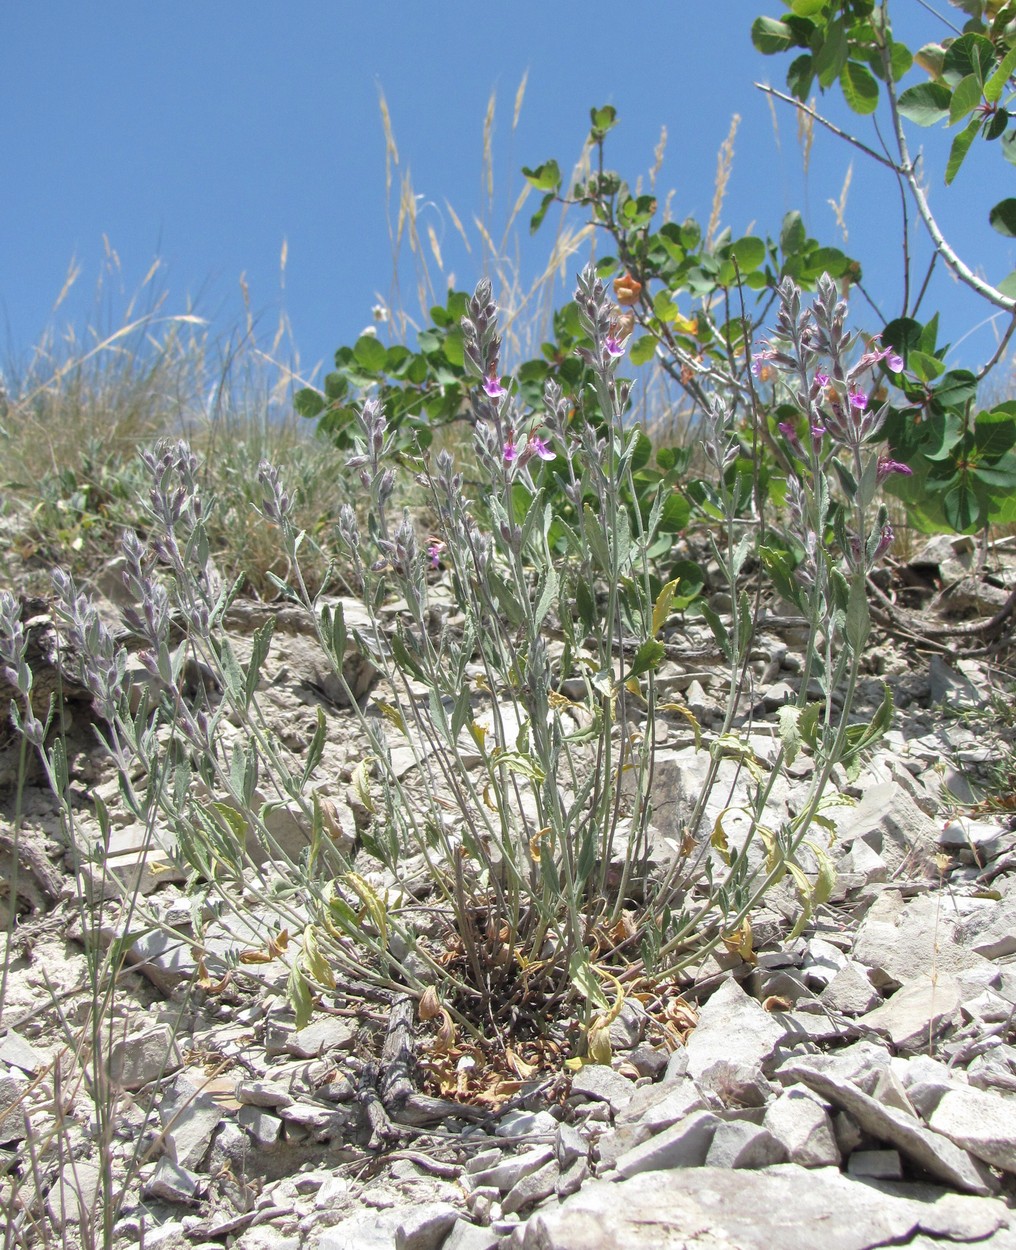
(781,1208)
(981,1122)
(929,1150)
(731,1045)
(804,1128)
(918,1013)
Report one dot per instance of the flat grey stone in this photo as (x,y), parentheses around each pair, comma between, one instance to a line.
(526,1124)
(264,1128)
(925,1080)
(569,1145)
(892,824)
(73,1198)
(993,935)
(144,1056)
(262,1094)
(981,1122)
(938,1156)
(781,1208)
(19,1053)
(13,1122)
(918,1013)
(850,992)
(804,1127)
(189,1119)
(321,1036)
(172,1183)
(596,1080)
(731,1045)
(659,1106)
(366,1230)
(900,939)
(984,838)
(683,1145)
(466,1236)
(507,1174)
(532,1188)
(741,1144)
(425,1227)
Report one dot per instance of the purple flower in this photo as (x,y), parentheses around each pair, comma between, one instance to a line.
(492,385)
(816,433)
(886,467)
(757,359)
(434,553)
(788,432)
(540,447)
(858,399)
(612,347)
(893,362)
(511,451)
(821,379)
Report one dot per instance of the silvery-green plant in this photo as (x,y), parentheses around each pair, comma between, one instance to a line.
(515,868)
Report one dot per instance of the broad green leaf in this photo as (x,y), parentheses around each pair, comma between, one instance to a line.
(642,350)
(309,402)
(995,85)
(831,56)
(961,505)
(792,234)
(801,75)
(1008,286)
(771,36)
(370,353)
(926,104)
(966,97)
(603,119)
(545,177)
(860,88)
(970,54)
(749,252)
(1003,217)
(960,147)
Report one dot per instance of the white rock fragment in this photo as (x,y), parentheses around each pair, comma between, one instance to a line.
(732,1044)
(981,1122)
(918,1013)
(144,1056)
(805,1129)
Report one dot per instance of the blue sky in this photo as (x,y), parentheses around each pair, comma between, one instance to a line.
(209,134)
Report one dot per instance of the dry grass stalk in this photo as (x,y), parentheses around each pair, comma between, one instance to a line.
(724,165)
(839,206)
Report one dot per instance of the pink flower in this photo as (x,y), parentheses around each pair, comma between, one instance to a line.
(821,379)
(492,385)
(858,399)
(886,466)
(434,553)
(540,447)
(612,347)
(511,451)
(788,432)
(894,362)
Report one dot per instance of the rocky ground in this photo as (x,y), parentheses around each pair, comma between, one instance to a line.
(852,1088)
